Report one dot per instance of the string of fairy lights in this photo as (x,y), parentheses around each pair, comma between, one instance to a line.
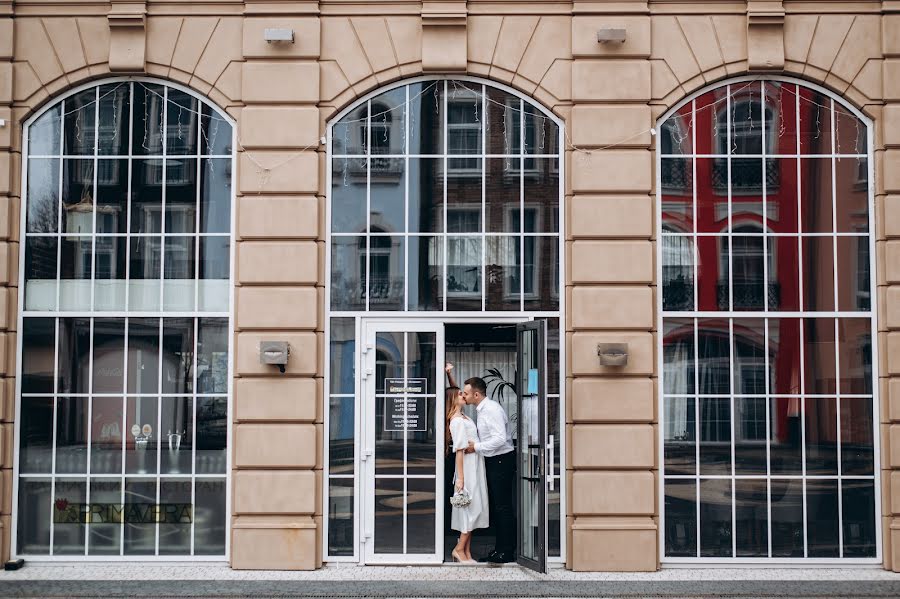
(479,100)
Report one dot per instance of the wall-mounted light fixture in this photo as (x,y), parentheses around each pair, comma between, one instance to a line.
(275,353)
(608,35)
(276,34)
(613,354)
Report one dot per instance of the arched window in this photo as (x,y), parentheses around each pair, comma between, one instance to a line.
(768,397)
(125,325)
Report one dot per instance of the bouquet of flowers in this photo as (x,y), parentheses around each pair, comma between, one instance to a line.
(461,498)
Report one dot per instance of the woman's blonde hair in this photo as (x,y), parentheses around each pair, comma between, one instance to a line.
(452,411)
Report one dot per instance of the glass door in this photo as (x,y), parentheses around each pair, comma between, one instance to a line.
(531,466)
(403,442)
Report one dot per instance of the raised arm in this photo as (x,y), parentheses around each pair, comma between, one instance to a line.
(449,370)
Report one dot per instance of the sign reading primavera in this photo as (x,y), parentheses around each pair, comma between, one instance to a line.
(401,412)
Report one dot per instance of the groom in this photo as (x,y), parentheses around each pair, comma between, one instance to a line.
(495,444)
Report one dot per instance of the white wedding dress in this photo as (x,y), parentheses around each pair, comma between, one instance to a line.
(474,515)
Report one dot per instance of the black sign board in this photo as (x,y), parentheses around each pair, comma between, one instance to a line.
(401,412)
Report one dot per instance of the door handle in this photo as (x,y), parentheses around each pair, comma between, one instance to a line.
(551,458)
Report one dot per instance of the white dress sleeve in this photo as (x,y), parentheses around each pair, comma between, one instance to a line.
(458,433)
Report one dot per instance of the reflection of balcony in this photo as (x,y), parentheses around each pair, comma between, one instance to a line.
(745,175)
(675,175)
(748,295)
(385,289)
(382,166)
(678,294)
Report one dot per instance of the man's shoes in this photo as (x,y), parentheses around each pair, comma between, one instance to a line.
(501,558)
(487,558)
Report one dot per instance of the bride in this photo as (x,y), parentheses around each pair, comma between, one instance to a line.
(469,473)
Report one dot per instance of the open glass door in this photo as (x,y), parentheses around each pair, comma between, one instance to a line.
(403,442)
(531,477)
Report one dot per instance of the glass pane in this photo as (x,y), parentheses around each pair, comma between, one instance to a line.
(71,434)
(680,444)
(78,196)
(76,262)
(422,359)
(781,101)
(748,280)
(464,118)
(464,178)
(181,125)
(342,355)
(678,356)
(554,373)
(749,356)
(426,273)
(784,355)
(141,436)
(177,435)
(787,518)
(677,272)
(681,518)
(38,340)
(44,133)
(348,195)
(212,356)
(850,132)
(389,504)
(677,185)
(751,518)
(176,515)
(818,355)
(715,436)
(73,370)
(388,122)
(112,196)
(340,516)
(341,435)
(179,264)
(426,117)
(822,518)
(109,355)
(503,195)
(746,194)
(712,273)
(714,356)
(676,134)
(855,351)
(387,201)
(859,518)
(350,134)
(815,195)
(105,528)
(815,121)
(426,195)
(34,513)
(464,273)
(115,116)
(541,272)
(818,274)
(503,122)
(35,436)
(106,436)
(388,444)
(210,516)
(146,196)
(503,273)
(42,214)
(212,435)
(785,436)
(147,121)
(715,518)
(750,435)
(144,273)
(541,133)
(143,355)
(420,515)
(110,255)
(821,435)
(712,194)
(781,194)
(80,122)
(857,436)
(746,119)
(852,194)
(215,195)
(181,195)
(421,445)
(140,533)
(40,272)
(178,355)
(782,254)
(68,521)
(854,277)
(348,273)
(386,272)
(215,272)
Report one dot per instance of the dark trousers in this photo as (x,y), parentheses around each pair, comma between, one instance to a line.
(501,480)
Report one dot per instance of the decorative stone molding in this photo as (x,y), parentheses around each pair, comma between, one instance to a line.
(127,36)
(444,36)
(765,35)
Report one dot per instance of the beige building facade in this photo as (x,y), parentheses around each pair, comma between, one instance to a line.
(401,184)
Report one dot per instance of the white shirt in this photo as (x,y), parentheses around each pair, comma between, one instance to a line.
(493,433)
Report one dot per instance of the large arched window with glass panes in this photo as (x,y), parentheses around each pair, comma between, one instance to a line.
(124,378)
(768,399)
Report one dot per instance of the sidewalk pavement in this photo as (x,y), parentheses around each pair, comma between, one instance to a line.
(155,580)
